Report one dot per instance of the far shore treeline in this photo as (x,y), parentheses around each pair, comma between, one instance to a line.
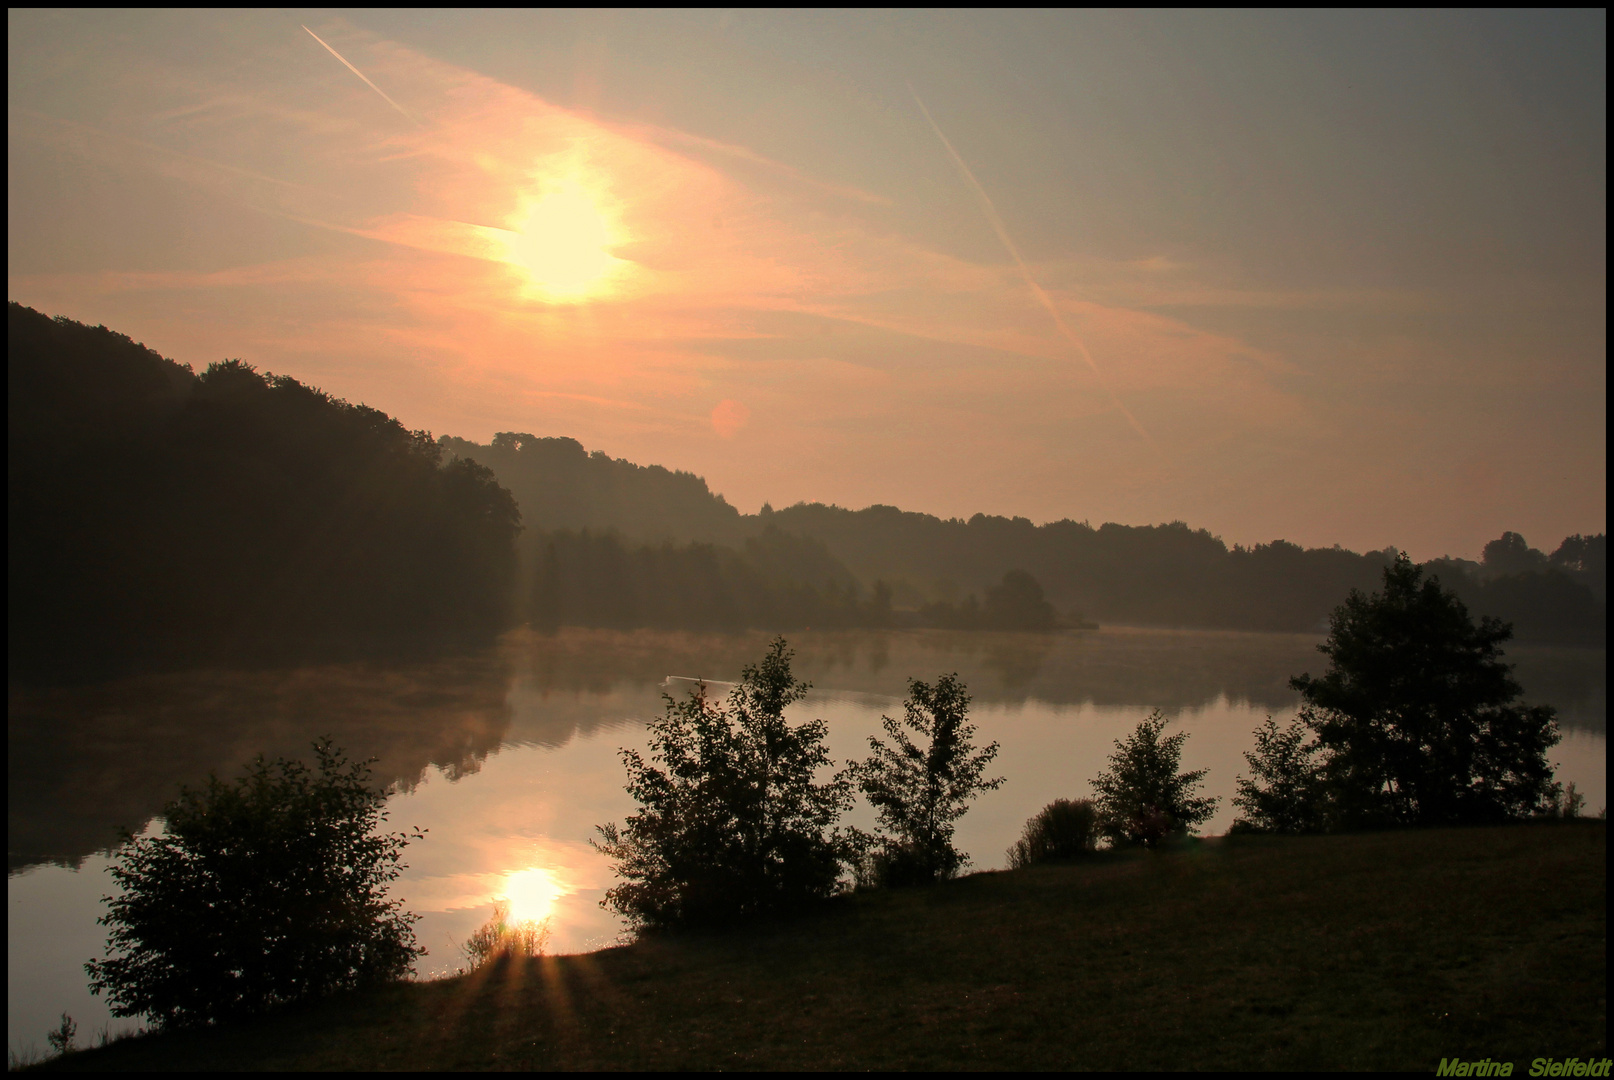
(157,516)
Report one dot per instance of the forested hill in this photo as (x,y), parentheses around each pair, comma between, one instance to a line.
(561,486)
(1172,575)
(158,516)
(1169,575)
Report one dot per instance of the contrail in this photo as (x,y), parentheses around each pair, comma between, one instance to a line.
(367,82)
(1025,272)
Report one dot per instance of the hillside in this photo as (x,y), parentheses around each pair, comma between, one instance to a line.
(1159,575)
(156,516)
(1377,951)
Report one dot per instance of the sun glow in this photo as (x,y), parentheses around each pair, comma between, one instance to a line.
(562,241)
(532,894)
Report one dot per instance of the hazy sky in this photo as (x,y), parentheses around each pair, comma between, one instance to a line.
(1336,278)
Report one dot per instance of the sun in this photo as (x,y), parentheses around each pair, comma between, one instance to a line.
(561,240)
(532,894)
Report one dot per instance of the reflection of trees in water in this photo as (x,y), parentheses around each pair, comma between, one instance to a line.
(1573,681)
(1167,669)
(84,761)
(1171,669)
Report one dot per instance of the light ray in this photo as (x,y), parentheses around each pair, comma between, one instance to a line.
(1025,272)
(367,82)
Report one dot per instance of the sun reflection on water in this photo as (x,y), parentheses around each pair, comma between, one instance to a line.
(532,894)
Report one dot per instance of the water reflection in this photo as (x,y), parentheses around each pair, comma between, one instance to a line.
(87,761)
(84,762)
(510,756)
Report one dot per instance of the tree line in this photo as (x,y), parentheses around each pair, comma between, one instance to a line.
(941,572)
(160,516)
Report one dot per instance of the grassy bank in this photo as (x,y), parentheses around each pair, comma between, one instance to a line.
(1382,951)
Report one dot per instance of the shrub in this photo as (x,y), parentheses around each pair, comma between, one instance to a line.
(1142,798)
(1566,804)
(1064,829)
(260,893)
(498,937)
(731,821)
(61,1038)
(919,792)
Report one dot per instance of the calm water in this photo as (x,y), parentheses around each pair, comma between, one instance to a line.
(510,758)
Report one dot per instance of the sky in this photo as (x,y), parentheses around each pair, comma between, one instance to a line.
(1336,278)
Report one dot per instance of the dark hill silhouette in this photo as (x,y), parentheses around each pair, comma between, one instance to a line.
(1163,575)
(160,517)
(559,485)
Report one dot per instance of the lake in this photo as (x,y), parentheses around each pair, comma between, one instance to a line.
(510,757)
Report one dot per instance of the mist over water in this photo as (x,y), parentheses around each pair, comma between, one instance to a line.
(510,755)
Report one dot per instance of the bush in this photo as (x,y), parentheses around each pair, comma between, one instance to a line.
(731,822)
(257,894)
(498,937)
(1566,804)
(61,1038)
(1142,799)
(920,792)
(1064,829)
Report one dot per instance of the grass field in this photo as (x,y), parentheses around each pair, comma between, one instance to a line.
(1377,951)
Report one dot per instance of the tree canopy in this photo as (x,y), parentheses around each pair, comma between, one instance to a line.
(732,820)
(257,894)
(919,791)
(1141,799)
(1416,722)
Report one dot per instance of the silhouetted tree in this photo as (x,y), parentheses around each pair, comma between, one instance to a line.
(1416,720)
(1017,603)
(732,821)
(919,791)
(1586,559)
(1285,791)
(1509,554)
(1142,798)
(257,894)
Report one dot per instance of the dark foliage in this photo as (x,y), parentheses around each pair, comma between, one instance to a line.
(61,1039)
(779,582)
(1172,575)
(1284,792)
(1015,603)
(159,517)
(1142,798)
(919,791)
(560,486)
(1417,720)
(951,572)
(1064,829)
(257,894)
(1585,558)
(732,821)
